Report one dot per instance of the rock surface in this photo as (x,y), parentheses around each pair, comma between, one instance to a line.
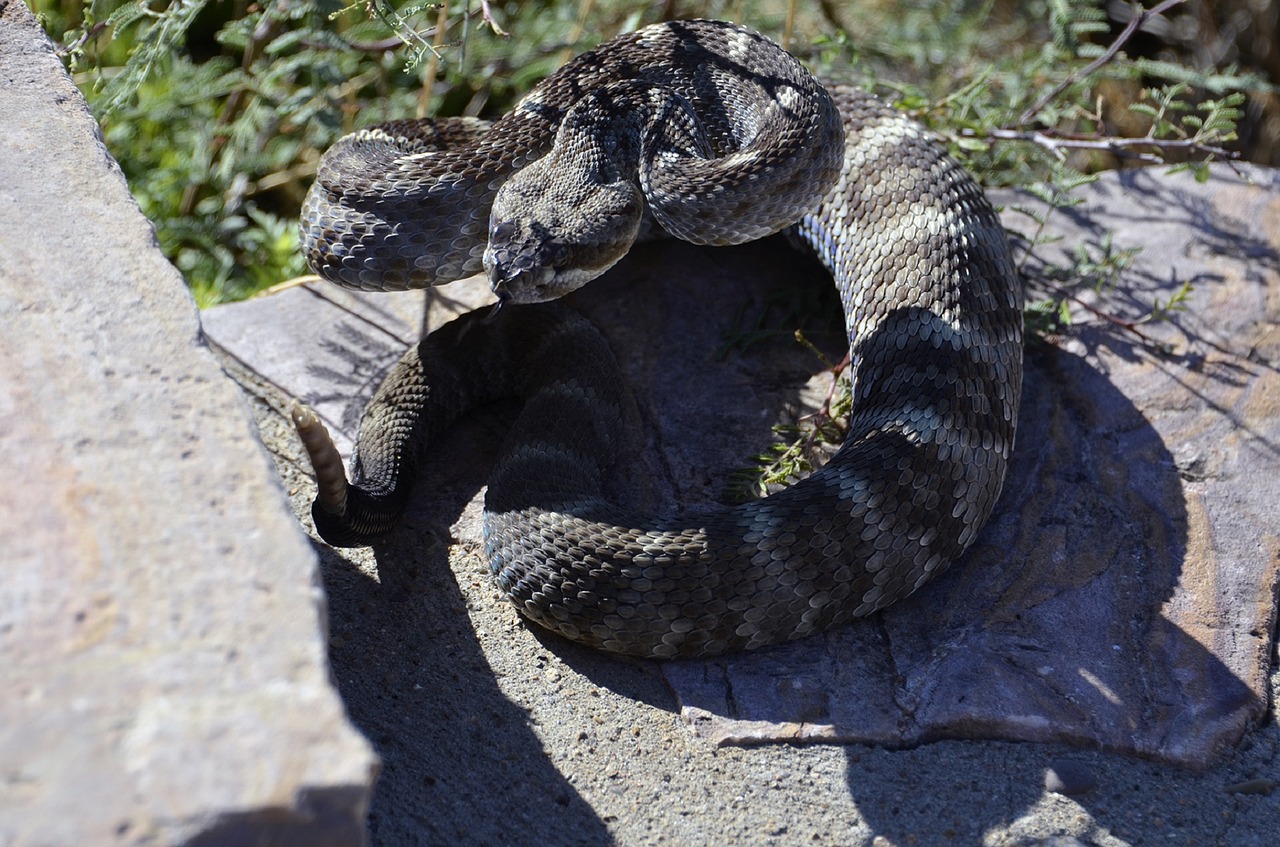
(1124,594)
(1122,597)
(165,679)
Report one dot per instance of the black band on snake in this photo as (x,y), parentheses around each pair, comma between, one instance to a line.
(708,132)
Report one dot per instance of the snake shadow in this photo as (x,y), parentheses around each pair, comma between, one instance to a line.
(460,761)
(417,678)
(1052,628)
(1096,515)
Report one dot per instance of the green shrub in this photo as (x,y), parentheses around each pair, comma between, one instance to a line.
(218,110)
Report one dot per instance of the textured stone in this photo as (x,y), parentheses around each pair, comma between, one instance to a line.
(161,628)
(1124,594)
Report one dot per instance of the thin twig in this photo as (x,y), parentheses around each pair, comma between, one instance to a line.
(488,18)
(789,27)
(1055,142)
(579,27)
(85,37)
(433,63)
(1130,326)
(823,413)
(1135,23)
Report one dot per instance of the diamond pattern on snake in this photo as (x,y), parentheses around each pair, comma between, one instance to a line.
(707,132)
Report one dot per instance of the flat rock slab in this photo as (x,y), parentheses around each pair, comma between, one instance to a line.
(1123,596)
(165,677)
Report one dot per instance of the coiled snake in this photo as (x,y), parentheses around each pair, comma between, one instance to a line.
(711,133)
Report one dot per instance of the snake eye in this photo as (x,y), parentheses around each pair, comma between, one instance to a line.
(502,231)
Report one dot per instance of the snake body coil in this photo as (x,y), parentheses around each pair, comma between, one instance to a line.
(724,138)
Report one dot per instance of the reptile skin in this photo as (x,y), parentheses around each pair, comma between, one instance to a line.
(710,133)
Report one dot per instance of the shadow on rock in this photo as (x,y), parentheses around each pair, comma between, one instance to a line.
(1065,621)
(460,763)
(1118,598)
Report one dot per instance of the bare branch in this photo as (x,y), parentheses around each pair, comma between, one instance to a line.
(88,35)
(1124,147)
(488,18)
(1121,323)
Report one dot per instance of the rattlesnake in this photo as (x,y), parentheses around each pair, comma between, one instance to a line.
(710,132)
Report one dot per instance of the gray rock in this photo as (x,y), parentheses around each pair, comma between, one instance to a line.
(1115,599)
(1260,786)
(1069,777)
(1124,594)
(161,629)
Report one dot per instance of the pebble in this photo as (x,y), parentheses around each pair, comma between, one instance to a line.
(1252,786)
(1069,777)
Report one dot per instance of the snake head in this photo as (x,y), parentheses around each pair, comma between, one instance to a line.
(521,265)
(550,234)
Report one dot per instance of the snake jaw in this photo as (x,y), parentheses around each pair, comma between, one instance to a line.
(520,261)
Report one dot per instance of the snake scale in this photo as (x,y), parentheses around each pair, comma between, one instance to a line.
(709,132)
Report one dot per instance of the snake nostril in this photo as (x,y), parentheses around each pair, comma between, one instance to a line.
(558,254)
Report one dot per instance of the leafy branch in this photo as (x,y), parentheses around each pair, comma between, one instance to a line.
(802,445)
(1140,17)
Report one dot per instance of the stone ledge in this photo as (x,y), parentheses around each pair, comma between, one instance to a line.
(161,625)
